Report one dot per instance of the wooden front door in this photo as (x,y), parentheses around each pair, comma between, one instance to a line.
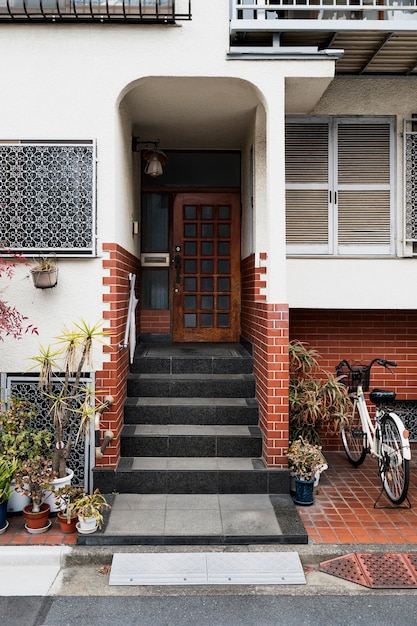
(206,267)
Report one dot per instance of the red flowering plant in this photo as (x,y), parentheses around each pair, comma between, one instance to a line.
(12,321)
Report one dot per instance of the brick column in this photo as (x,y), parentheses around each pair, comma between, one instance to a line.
(266,326)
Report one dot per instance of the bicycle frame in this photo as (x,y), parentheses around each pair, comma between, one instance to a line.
(371,430)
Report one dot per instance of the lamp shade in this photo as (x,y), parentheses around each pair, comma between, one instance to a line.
(154,167)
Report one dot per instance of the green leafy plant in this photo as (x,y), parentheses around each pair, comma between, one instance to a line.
(91,505)
(318,401)
(20,439)
(71,402)
(305,459)
(8,469)
(34,478)
(66,499)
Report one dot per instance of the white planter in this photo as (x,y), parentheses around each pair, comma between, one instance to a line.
(57,483)
(17,501)
(87,525)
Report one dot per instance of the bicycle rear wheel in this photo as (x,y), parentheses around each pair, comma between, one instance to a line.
(394,470)
(353,438)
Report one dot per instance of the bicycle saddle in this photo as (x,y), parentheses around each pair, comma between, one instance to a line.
(378,396)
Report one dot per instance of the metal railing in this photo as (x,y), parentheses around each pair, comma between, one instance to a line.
(260,14)
(136,11)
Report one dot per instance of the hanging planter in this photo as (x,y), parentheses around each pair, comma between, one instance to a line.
(44,274)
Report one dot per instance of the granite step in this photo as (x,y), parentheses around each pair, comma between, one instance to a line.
(191,385)
(185,440)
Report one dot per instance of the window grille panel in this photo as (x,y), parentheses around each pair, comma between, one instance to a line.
(410,183)
(47,197)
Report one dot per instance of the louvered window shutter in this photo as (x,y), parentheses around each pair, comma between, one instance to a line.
(338,187)
(307,187)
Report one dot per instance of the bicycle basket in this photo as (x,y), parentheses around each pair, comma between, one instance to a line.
(354,376)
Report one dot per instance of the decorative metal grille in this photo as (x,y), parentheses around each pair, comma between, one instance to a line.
(410,173)
(47,197)
(407,411)
(28,389)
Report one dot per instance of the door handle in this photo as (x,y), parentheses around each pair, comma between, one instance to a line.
(177,265)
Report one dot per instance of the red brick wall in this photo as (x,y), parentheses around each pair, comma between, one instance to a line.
(117,265)
(363,336)
(266,327)
(155,322)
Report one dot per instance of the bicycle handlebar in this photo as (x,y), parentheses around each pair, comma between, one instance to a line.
(383,362)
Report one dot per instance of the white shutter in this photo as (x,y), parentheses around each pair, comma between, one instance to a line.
(339,191)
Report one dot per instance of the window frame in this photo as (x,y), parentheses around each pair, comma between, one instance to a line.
(333,247)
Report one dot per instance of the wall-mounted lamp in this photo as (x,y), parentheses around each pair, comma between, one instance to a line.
(154,157)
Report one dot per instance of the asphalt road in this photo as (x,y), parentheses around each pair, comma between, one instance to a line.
(232,610)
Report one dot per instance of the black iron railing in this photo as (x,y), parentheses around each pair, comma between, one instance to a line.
(133,11)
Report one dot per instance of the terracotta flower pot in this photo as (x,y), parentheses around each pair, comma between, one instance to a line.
(36,520)
(67,524)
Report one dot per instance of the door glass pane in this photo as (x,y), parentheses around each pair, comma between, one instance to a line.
(224,230)
(207,248)
(190,248)
(224,284)
(206,212)
(190,302)
(206,284)
(207,302)
(207,230)
(154,289)
(154,227)
(207,266)
(190,284)
(190,212)
(223,320)
(224,212)
(190,266)
(190,230)
(223,248)
(223,302)
(207,320)
(224,266)
(190,320)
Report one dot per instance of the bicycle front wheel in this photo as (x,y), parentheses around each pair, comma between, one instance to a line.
(353,438)
(394,470)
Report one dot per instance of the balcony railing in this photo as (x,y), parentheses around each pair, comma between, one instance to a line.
(261,15)
(136,11)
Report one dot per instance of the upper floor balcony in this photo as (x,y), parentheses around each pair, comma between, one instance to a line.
(371,36)
(78,11)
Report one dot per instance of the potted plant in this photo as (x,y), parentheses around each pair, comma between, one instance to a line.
(89,509)
(66,499)
(318,401)
(45,273)
(21,440)
(33,480)
(71,401)
(7,472)
(305,460)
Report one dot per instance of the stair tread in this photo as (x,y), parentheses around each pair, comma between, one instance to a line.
(165,401)
(194,463)
(187,376)
(159,430)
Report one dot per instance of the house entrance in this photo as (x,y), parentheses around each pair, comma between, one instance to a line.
(205,268)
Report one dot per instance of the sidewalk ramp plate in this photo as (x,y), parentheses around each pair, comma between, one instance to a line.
(207,568)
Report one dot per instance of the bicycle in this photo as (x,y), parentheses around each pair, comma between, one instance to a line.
(386,438)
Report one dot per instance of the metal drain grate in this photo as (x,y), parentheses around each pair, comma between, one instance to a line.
(376,570)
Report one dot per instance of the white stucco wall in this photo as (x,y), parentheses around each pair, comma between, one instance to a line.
(68,82)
